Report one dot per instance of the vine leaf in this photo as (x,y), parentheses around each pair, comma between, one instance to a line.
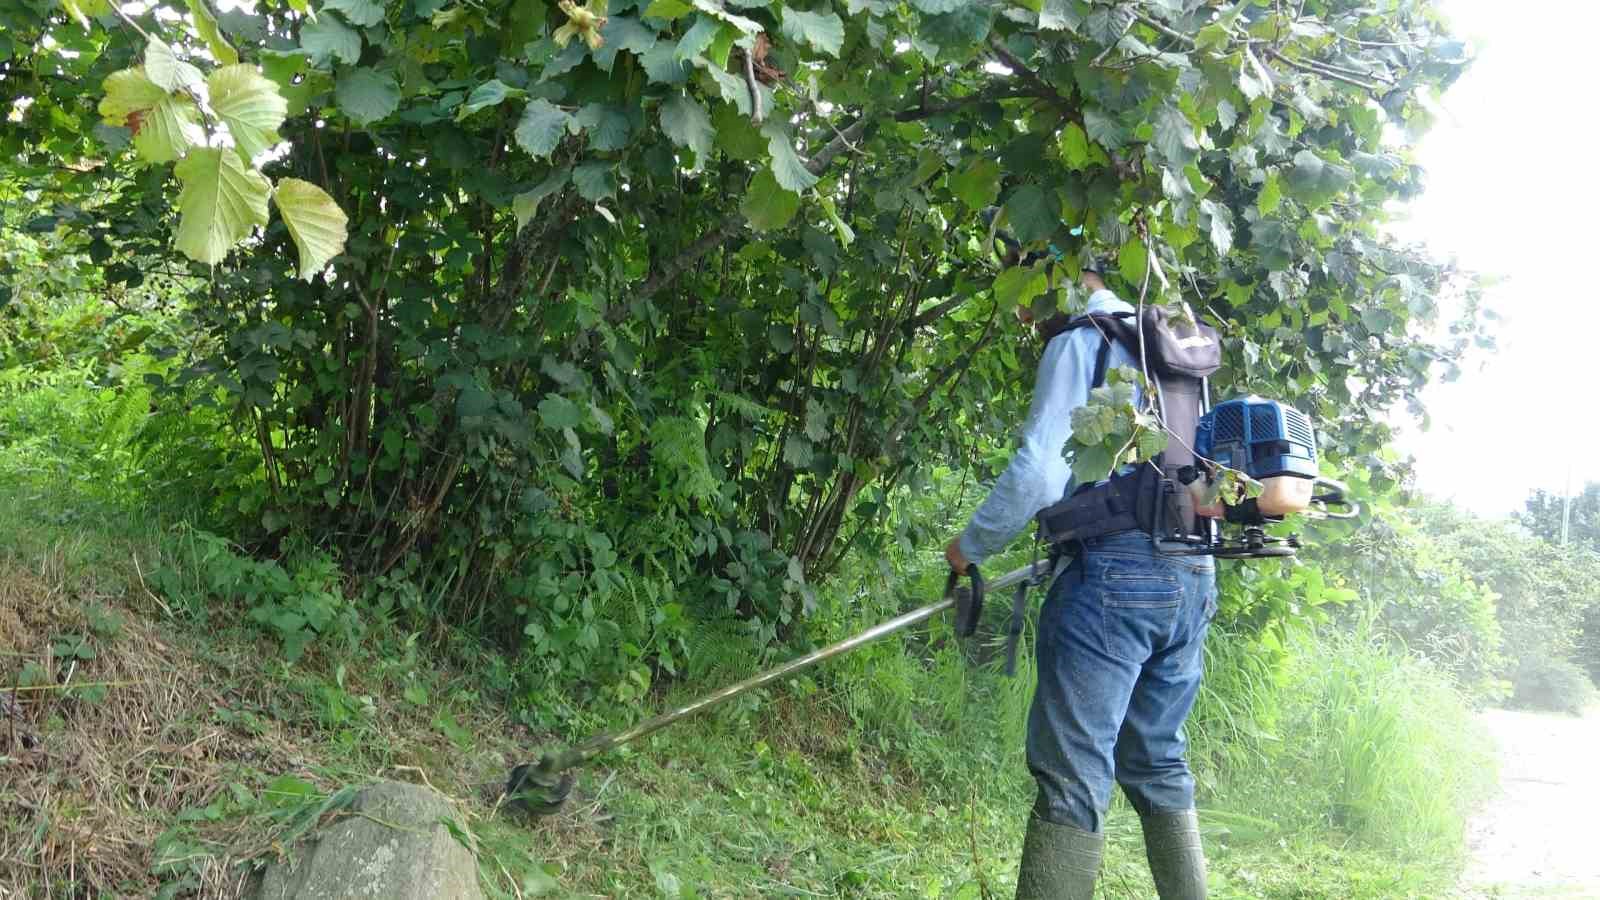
(367,95)
(164,127)
(1034,215)
(206,24)
(249,105)
(221,201)
(687,124)
(163,67)
(315,221)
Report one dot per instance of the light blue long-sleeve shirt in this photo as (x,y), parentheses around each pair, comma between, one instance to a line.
(1038,475)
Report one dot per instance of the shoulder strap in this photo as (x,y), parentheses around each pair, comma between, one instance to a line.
(1102,361)
(1111,326)
(1061,322)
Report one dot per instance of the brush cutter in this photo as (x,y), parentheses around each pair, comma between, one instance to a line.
(541,787)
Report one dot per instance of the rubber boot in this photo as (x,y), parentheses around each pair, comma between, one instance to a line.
(1059,862)
(1172,845)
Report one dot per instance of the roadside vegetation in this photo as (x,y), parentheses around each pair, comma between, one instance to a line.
(172,731)
(583,365)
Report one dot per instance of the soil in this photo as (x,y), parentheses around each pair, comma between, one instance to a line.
(1540,837)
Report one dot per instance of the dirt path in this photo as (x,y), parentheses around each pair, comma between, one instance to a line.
(1541,836)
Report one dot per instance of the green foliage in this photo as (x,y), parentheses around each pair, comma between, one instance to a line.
(1544,511)
(1422,594)
(298,602)
(1392,743)
(1377,743)
(1551,683)
(591,214)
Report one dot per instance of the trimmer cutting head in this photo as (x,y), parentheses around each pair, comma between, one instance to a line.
(535,789)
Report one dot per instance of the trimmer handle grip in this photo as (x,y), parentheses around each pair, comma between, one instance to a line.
(969,606)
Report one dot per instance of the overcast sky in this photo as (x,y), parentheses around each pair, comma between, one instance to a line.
(1512,189)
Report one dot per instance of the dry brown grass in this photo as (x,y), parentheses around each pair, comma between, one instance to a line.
(104,776)
(88,784)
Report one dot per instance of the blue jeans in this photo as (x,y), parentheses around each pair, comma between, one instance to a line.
(1119,656)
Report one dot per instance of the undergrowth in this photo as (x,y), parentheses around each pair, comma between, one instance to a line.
(187,710)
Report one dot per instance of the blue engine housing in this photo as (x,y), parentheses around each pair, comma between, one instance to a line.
(1262,438)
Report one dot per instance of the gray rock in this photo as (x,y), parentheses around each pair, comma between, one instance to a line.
(396,849)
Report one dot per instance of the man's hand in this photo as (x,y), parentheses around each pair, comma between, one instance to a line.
(954,556)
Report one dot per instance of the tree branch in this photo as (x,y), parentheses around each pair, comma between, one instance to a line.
(731,225)
(934,313)
(1314,69)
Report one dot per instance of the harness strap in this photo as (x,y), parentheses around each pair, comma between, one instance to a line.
(1019,615)
(1102,361)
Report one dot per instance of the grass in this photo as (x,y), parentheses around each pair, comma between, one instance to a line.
(166,746)
(889,776)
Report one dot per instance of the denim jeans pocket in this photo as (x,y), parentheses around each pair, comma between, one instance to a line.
(1138,615)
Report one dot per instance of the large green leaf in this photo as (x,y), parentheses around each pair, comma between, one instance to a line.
(1074,144)
(823,31)
(169,72)
(81,10)
(206,24)
(542,126)
(976,184)
(595,181)
(623,33)
(607,126)
(957,34)
(328,39)
(221,202)
(698,38)
(364,13)
(367,95)
(126,92)
(687,124)
(1019,285)
(767,204)
(166,132)
(526,204)
(1174,136)
(249,105)
(491,93)
(315,222)
(787,166)
(1032,213)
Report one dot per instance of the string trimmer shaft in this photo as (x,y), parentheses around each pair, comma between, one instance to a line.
(541,787)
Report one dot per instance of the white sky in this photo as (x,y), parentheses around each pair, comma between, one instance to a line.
(1511,191)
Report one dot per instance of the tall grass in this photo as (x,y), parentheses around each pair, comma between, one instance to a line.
(1389,740)
(1349,734)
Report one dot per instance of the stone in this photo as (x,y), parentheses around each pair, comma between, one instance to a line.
(393,846)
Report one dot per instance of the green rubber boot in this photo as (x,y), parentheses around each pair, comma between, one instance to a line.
(1172,845)
(1059,862)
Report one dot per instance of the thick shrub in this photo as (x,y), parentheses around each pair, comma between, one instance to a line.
(1551,683)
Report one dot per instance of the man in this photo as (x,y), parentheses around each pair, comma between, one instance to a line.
(1119,654)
